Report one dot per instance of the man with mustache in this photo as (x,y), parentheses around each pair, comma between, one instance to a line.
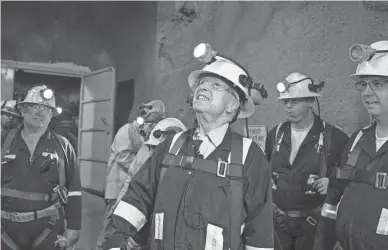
(206,188)
(41,199)
(356,207)
(303,152)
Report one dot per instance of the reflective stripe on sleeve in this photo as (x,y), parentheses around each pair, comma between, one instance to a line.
(257,248)
(130,214)
(75,193)
(329,211)
(132,243)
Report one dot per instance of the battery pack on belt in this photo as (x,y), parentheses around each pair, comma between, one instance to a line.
(31,216)
(378,180)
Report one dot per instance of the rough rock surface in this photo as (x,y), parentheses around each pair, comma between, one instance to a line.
(272,40)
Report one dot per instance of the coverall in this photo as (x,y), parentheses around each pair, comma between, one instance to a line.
(33,214)
(296,212)
(362,197)
(189,207)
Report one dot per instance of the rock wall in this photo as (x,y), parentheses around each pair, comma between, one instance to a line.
(272,40)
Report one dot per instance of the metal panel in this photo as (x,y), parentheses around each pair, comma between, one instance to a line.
(96,126)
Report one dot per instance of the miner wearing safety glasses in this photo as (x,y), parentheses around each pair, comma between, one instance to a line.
(205,188)
(41,198)
(356,208)
(303,152)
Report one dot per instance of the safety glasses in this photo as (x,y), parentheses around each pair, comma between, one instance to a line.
(217,86)
(38,107)
(376,84)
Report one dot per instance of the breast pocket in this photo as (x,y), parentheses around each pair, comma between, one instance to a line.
(47,167)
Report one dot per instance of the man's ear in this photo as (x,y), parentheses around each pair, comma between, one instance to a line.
(233,106)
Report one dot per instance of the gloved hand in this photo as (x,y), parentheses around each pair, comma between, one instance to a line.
(69,240)
(321,185)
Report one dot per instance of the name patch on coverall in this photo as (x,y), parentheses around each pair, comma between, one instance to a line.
(159,217)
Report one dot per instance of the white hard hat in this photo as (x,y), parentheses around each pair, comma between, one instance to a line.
(376,66)
(231,72)
(296,85)
(171,124)
(38,95)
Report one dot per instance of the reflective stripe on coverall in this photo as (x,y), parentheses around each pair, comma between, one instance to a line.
(358,196)
(192,206)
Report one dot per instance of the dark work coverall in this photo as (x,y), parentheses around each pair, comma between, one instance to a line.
(190,209)
(27,184)
(296,232)
(361,220)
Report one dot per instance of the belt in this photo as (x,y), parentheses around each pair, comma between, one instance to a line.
(298,214)
(31,216)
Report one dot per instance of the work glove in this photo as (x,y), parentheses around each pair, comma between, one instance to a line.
(321,185)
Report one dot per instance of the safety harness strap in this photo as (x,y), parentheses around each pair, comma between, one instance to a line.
(8,241)
(378,180)
(237,193)
(8,141)
(24,195)
(11,244)
(326,143)
(220,168)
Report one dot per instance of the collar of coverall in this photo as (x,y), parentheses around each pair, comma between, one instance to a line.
(47,135)
(216,135)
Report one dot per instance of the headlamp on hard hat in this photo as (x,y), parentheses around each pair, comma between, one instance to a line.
(359,52)
(203,52)
(140,121)
(47,94)
(158,133)
(283,86)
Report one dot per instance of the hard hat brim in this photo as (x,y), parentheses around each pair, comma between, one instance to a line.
(289,96)
(246,109)
(11,113)
(357,77)
(55,111)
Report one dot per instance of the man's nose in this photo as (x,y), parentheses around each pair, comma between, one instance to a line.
(367,91)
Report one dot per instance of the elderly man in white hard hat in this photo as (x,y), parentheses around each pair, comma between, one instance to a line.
(303,152)
(10,116)
(208,187)
(41,199)
(127,142)
(361,211)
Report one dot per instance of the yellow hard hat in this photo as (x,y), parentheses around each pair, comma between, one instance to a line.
(372,60)
(38,95)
